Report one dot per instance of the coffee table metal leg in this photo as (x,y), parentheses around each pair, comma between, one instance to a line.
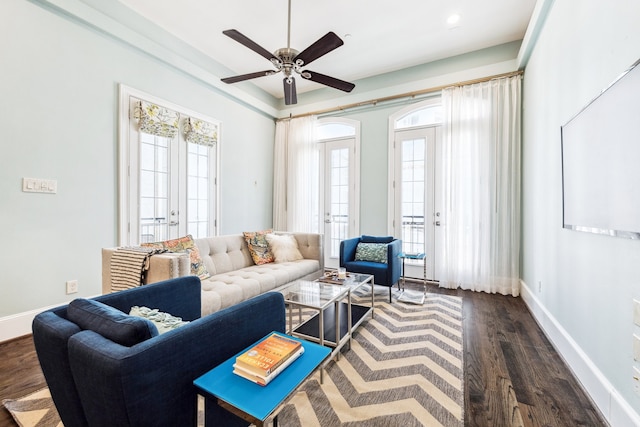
(349,318)
(321,338)
(337,326)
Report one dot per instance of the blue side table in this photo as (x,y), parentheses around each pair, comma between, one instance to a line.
(255,403)
(405,297)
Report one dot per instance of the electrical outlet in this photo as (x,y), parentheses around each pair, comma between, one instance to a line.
(72,286)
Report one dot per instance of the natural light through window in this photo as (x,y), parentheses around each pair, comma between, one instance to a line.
(154,187)
(413,207)
(198,190)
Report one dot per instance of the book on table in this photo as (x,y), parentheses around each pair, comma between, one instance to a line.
(264,359)
(262,379)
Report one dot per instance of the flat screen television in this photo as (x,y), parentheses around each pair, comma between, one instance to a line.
(601,161)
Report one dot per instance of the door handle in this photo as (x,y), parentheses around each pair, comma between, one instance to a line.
(173,223)
(437,223)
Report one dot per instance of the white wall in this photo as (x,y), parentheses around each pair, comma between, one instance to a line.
(58,109)
(580,286)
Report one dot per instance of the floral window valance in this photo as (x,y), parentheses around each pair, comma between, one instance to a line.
(156,120)
(201,132)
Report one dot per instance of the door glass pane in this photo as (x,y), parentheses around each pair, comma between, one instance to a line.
(413,185)
(154,185)
(198,189)
(339,209)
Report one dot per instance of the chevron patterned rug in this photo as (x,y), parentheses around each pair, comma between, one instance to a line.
(404,368)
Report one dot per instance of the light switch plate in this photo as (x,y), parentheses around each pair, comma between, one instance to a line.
(37,185)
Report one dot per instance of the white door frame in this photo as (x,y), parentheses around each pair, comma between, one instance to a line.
(433,206)
(128,158)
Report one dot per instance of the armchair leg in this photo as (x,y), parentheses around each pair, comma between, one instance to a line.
(390,294)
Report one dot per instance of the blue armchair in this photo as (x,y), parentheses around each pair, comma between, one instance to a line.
(110,369)
(384,273)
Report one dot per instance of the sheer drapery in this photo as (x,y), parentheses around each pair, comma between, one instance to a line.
(295,178)
(481,164)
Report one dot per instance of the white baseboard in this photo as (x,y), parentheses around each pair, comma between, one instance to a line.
(17,325)
(613,407)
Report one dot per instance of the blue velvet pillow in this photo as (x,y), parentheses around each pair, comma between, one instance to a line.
(109,322)
(374,239)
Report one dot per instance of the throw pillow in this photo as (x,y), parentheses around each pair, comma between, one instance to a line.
(110,322)
(374,252)
(284,247)
(376,239)
(164,322)
(258,246)
(184,245)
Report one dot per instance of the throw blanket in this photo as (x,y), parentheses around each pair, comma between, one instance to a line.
(129,266)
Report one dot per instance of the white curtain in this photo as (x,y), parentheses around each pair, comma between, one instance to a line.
(481,164)
(296,168)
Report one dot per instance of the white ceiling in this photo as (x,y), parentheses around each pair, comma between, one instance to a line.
(379,36)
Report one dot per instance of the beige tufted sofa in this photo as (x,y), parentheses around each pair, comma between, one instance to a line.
(234,276)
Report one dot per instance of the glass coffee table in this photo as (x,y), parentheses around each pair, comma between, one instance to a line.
(326,296)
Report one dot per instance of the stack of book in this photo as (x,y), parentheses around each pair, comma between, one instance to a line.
(264,361)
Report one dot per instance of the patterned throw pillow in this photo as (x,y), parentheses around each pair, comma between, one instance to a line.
(258,246)
(374,252)
(184,245)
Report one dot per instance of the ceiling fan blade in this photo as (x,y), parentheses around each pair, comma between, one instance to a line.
(246,41)
(290,95)
(328,80)
(322,46)
(243,77)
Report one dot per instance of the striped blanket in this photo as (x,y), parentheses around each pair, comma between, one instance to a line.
(129,266)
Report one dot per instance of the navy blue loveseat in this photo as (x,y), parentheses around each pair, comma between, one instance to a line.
(122,375)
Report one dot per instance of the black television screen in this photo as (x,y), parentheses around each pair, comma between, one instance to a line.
(601,161)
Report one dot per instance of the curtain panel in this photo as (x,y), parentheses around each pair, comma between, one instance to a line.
(296,175)
(482,170)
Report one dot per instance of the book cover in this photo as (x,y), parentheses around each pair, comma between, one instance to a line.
(264,380)
(268,354)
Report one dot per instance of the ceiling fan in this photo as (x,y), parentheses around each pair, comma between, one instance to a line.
(290,62)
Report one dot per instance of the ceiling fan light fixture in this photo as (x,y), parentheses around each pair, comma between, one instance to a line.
(288,60)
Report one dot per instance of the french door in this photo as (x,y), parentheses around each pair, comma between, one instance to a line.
(168,185)
(340,212)
(417,213)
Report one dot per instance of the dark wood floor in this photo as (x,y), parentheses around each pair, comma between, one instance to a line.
(513,376)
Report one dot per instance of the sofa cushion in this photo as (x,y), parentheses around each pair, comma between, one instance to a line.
(376,239)
(374,252)
(184,245)
(284,247)
(226,289)
(258,246)
(109,322)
